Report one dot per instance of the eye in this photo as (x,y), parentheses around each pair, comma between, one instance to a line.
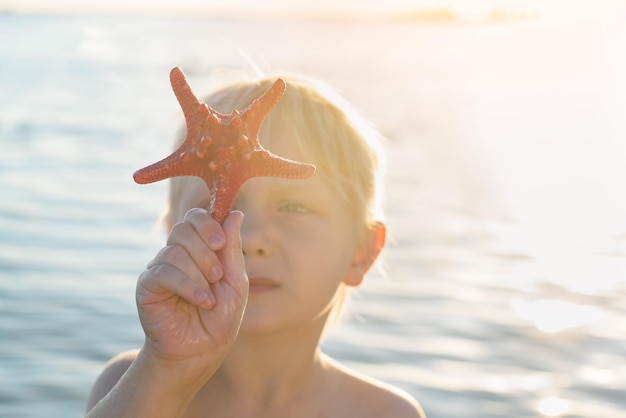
(294,207)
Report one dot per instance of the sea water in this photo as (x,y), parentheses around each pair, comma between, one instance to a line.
(501,291)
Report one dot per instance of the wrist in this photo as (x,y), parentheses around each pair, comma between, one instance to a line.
(186,373)
(152,387)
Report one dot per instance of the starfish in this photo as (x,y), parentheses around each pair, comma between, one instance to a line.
(223,150)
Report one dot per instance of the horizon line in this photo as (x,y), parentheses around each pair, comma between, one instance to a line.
(435,15)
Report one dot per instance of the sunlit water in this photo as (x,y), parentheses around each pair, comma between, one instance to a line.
(504,281)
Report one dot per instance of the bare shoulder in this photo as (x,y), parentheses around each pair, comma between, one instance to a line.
(372,397)
(110,375)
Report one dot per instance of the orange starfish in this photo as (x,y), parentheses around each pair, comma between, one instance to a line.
(223,150)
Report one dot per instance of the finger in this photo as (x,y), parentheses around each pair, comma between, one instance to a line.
(231,255)
(205,260)
(209,230)
(163,281)
(177,257)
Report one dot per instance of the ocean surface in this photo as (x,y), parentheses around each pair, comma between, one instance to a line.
(501,292)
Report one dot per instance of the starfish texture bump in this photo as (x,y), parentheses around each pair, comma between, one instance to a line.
(223,150)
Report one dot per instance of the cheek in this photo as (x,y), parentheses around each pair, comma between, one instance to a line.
(321,256)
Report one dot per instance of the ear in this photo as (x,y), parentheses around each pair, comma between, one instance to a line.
(366,253)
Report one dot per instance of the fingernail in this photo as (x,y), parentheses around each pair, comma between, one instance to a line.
(216,241)
(210,300)
(200,295)
(205,299)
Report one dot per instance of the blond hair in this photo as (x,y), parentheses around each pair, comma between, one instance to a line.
(325,130)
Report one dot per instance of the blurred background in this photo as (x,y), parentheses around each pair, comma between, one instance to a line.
(502,289)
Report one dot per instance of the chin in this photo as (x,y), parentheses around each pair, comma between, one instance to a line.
(258,321)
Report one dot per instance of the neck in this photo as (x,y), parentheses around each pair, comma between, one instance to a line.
(271,370)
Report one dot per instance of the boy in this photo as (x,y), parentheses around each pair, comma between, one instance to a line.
(234,313)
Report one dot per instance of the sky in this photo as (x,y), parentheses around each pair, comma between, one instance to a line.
(469,9)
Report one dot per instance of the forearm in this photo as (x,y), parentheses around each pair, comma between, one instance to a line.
(152,388)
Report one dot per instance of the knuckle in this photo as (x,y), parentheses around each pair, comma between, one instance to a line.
(173,254)
(153,273)
(178,232)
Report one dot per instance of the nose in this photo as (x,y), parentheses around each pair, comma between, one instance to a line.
(256,238)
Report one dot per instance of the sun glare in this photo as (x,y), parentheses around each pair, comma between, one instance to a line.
(552,315)
(553,406)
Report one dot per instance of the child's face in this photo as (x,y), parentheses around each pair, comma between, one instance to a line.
(299,243)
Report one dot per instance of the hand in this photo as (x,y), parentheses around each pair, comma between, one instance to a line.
(192,295)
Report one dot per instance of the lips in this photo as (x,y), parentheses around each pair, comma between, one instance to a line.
(262,284)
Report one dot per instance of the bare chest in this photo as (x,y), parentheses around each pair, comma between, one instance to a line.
(242,408)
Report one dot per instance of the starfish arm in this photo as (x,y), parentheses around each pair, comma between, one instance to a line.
(262,106)
(225,194)
(168,167)
(158,171)
(272,165)
(175,164)
(193,108)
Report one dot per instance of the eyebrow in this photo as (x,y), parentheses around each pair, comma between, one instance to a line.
(292,186)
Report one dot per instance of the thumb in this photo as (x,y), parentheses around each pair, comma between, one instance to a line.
(231,255)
